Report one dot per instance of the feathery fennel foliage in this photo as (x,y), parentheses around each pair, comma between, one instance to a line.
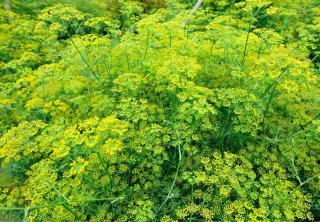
(120,111)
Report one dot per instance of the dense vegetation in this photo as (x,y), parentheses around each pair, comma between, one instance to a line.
(120,110)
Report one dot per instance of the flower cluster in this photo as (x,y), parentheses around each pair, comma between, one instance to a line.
(123,111)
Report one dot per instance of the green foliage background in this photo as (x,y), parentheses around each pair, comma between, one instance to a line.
(122,111)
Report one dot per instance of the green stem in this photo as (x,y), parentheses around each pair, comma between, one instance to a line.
(85,61)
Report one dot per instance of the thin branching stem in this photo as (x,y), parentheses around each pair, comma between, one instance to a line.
(86,62)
